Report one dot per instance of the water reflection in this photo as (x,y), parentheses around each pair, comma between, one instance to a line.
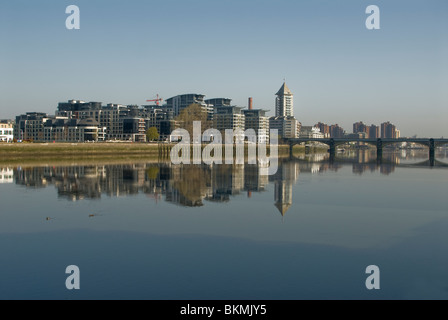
(6,175)
(194,185)
(336,223)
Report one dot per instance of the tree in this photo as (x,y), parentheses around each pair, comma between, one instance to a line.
(152,173)
(194,112)
(152,134)
(192,184)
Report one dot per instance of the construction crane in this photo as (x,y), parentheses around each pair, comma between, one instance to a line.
(157,101)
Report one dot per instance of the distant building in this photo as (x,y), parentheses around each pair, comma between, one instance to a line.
(61,129)
(311,132)
(6,131)
(56,129)
(30,126)
(128,122)
(284,103)
(154,116)
(284,121)
(110,116)
(134,129)
(374,132)
(291,127)
(389,131)
(73,107)
(256,119)
(166,128)
(324,128)
(336,131)
(181,102)
(360,127)
(287,127)
(228,117)
(91,130)
(219,102)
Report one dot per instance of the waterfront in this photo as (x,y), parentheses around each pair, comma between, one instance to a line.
(157,231)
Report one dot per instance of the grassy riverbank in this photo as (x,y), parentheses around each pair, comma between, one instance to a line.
(69,153)
(42,149)
(19,153)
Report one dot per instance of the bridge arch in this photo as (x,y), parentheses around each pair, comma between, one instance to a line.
(421,143)
(441,143)
(431,143)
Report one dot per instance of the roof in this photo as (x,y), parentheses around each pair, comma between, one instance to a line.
(89,122)
(284,90)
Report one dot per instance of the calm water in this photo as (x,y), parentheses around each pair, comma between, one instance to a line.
(157,231)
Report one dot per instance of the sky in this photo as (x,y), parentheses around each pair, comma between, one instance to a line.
(128,51)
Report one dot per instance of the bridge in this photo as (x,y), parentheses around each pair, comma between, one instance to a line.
(379,143)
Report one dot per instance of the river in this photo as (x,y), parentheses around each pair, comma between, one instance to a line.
(163,231)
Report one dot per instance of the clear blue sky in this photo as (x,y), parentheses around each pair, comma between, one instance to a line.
(128,51)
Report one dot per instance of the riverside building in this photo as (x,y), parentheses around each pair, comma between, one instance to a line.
(284,121)
(6,131)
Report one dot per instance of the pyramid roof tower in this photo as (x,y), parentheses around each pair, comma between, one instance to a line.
(284,90)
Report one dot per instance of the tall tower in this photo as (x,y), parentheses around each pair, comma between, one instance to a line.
(284,105)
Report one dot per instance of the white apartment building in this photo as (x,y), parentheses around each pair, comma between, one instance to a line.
(6,132)
(311,132)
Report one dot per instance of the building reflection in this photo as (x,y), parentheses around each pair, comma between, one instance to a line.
(365,160)
(6,175)
(184,185)
(190,185)
(286,176)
